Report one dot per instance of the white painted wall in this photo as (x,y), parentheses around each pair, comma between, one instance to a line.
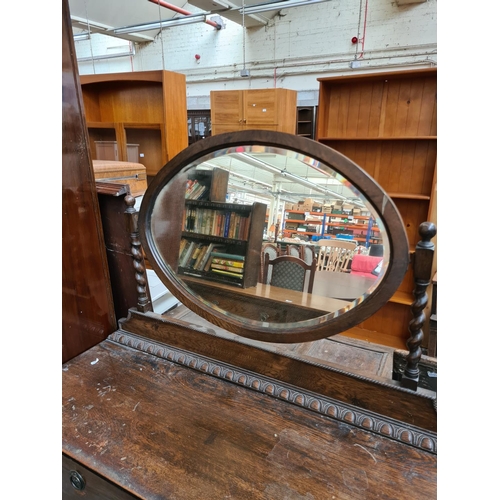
(291,52)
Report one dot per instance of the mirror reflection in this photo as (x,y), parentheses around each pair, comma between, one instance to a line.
(269,236)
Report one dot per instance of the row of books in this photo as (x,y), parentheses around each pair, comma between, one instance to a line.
(221,223)
(195,190)
(225,264)
(210,257)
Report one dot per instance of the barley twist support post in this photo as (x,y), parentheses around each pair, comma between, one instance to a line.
(422,269)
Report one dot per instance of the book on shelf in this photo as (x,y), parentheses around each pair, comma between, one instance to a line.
(194,190)
(194,255)
(182,246)
(227,273)
(227,262)
(206,255)
(186,254)
(201,254)
(183,255)
(227,222)
(209,255)
(232,269)
(229,256)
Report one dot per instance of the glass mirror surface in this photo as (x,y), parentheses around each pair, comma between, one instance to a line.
(213,223)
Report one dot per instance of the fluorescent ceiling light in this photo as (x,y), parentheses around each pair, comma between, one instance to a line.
(300,180)
(285,4)
(81,36)
(176,21)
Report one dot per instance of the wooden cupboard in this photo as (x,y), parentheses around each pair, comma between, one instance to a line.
(145,108)
(387,123)
(263,109)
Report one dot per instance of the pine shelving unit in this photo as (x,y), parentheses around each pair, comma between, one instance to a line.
(387,123)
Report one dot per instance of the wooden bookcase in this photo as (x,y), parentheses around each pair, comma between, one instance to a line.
(253,109)
(386,123)
(306,116)
(147,108)
(208,223)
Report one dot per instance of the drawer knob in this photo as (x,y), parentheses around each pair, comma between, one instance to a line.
(77,480)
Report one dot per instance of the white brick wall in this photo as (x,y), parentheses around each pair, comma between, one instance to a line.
(292,51)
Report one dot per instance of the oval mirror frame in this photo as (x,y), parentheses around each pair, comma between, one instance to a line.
(295,332)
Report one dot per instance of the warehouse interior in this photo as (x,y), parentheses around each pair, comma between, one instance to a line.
(304,47)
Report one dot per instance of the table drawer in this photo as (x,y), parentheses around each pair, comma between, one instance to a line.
(92,486)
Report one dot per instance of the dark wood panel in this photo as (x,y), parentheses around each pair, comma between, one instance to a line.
(117,226)
(87,303)
(163,430)
(378,396)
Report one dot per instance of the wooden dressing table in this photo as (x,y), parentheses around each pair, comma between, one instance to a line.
(156,408)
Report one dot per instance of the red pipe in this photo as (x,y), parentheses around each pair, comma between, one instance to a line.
(182,11)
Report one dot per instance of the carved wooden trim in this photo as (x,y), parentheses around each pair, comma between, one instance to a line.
(363,419)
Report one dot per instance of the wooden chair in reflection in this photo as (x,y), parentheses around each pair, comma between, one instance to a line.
(307,253)
(293,250)
(271,249)
(335,255)
(287,271)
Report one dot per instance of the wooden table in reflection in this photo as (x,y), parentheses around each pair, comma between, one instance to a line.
(265,302)
(344,286)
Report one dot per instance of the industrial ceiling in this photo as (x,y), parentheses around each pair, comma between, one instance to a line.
(128,19)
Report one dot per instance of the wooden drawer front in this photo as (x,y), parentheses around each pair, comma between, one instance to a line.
(95,487)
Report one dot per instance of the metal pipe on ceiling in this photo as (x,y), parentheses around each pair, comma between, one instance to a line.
(173,7)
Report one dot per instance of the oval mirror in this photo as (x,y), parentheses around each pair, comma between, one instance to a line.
(225,223)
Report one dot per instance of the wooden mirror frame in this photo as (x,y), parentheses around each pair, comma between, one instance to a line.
(302,331)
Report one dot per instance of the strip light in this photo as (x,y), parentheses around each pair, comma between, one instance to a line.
(177,21)
(81,36)
(285,4)
(300,180)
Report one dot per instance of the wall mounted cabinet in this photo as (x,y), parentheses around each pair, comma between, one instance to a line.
(147,108)
(386,123)
(261,109)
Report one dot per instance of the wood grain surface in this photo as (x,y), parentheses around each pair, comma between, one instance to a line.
(160,430)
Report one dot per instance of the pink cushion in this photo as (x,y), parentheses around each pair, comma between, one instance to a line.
(363,265)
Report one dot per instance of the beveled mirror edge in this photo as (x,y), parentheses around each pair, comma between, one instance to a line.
(373,192)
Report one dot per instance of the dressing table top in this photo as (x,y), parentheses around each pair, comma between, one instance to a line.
(161,430)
